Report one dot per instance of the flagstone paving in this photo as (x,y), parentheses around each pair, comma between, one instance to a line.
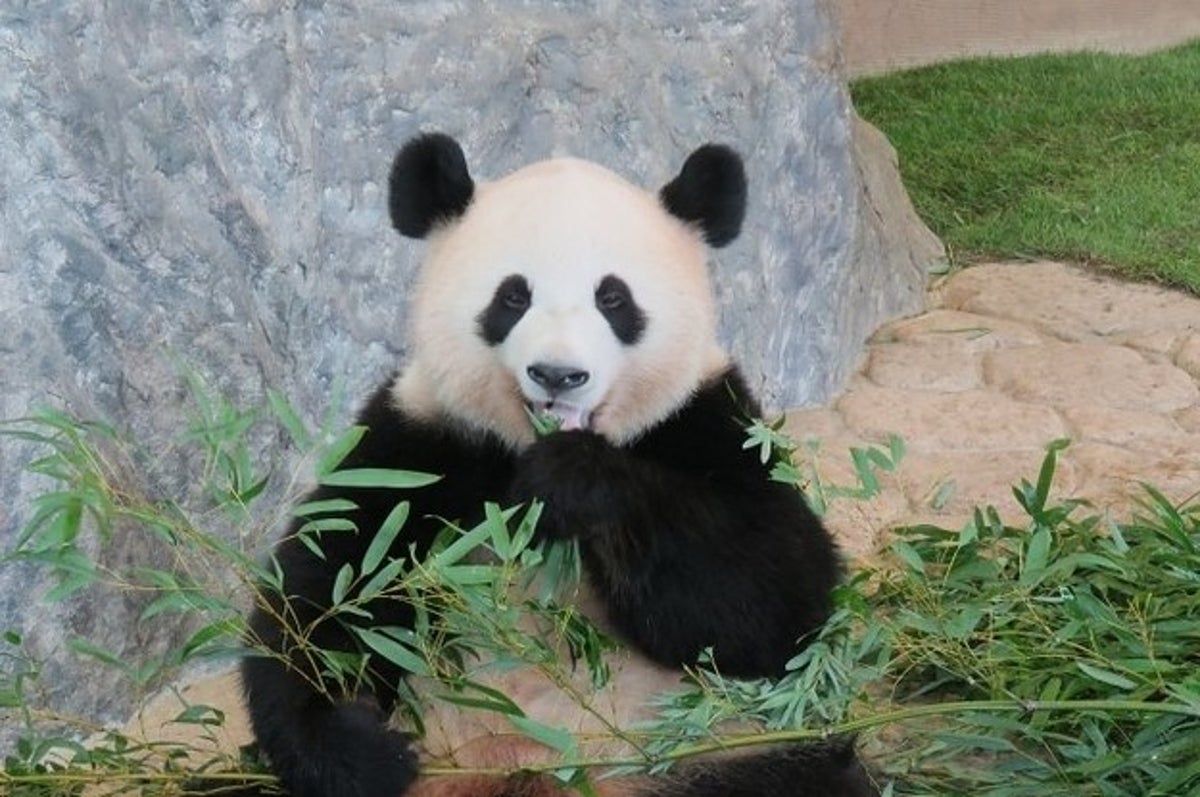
(1008,358)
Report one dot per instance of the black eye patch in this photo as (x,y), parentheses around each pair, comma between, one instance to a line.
(509,303)
(615,302)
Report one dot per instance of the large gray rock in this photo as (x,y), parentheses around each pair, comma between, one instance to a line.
(205,183)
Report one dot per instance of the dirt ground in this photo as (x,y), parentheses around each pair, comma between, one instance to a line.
(882,35)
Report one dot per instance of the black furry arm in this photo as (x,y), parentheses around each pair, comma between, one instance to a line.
(686,537)
(323,743)
(471,472)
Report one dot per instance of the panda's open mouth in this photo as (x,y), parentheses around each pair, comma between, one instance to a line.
(560,416)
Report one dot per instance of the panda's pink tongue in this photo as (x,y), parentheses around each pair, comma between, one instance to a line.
(569,416)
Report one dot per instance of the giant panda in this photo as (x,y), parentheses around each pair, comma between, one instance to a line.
(562,288)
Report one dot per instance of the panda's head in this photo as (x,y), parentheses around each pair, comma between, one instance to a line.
(561,288)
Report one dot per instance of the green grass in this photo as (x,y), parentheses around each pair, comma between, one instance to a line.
(1087,157)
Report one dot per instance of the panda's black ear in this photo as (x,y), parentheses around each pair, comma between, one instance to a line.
(710,191)
(429,183)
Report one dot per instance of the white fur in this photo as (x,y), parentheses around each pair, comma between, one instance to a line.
(564,225)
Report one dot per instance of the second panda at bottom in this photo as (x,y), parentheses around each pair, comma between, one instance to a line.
(563,290)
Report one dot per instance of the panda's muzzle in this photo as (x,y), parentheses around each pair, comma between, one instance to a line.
(557,379)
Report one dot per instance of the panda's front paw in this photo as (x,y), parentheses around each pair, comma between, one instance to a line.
(572,474)
(356,755)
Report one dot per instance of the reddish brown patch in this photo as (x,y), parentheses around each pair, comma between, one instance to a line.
(449,785)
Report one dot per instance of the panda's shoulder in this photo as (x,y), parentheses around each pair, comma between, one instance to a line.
(713,420)
(727,395)
(396,436)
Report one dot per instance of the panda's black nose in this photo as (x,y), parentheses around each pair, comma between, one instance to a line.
(557,378)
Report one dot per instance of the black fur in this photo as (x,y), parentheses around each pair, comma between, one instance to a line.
(828,769)
(709,191)
(429,184)
(317,747)
(689,542)
(615,302)
(509,303)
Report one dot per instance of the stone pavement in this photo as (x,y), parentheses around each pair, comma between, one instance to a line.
(1008,358)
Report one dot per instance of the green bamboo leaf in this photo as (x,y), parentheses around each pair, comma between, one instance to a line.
(1024,495)
(177,602)
(354,610)
(73,568)
(254,490)
(543,423)
(880,459)
(469,575)
(68,586)
(342,582)
(523,536)
(378,478)
(1046,474)
(55,524)
(339,449)
(311,544)
(272,574)
(225,631)
(560,570)
(461,547)
(943,494)
(908,554)
(93,651)
(816,494)
(491,700)
(327,506)
(1176,780)
(864,471)
(557,739)
(1105,676)
(394,651)
(382,542)
(336,524)
(1037,553)
(918,622)
(965,622)
(290,419)
(1066,566)
(382,579)
(200,715)
(497,521)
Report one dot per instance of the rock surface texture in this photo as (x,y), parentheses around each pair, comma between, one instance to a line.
(1009,358)
(201,186)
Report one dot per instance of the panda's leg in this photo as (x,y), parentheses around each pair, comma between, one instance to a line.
(822,769)
(322,745)
(528,785)
(319,746)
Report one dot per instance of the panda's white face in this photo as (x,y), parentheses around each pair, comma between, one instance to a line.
(564,351)
(566,290)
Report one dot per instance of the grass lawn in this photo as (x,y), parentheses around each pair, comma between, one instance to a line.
(1087,157)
